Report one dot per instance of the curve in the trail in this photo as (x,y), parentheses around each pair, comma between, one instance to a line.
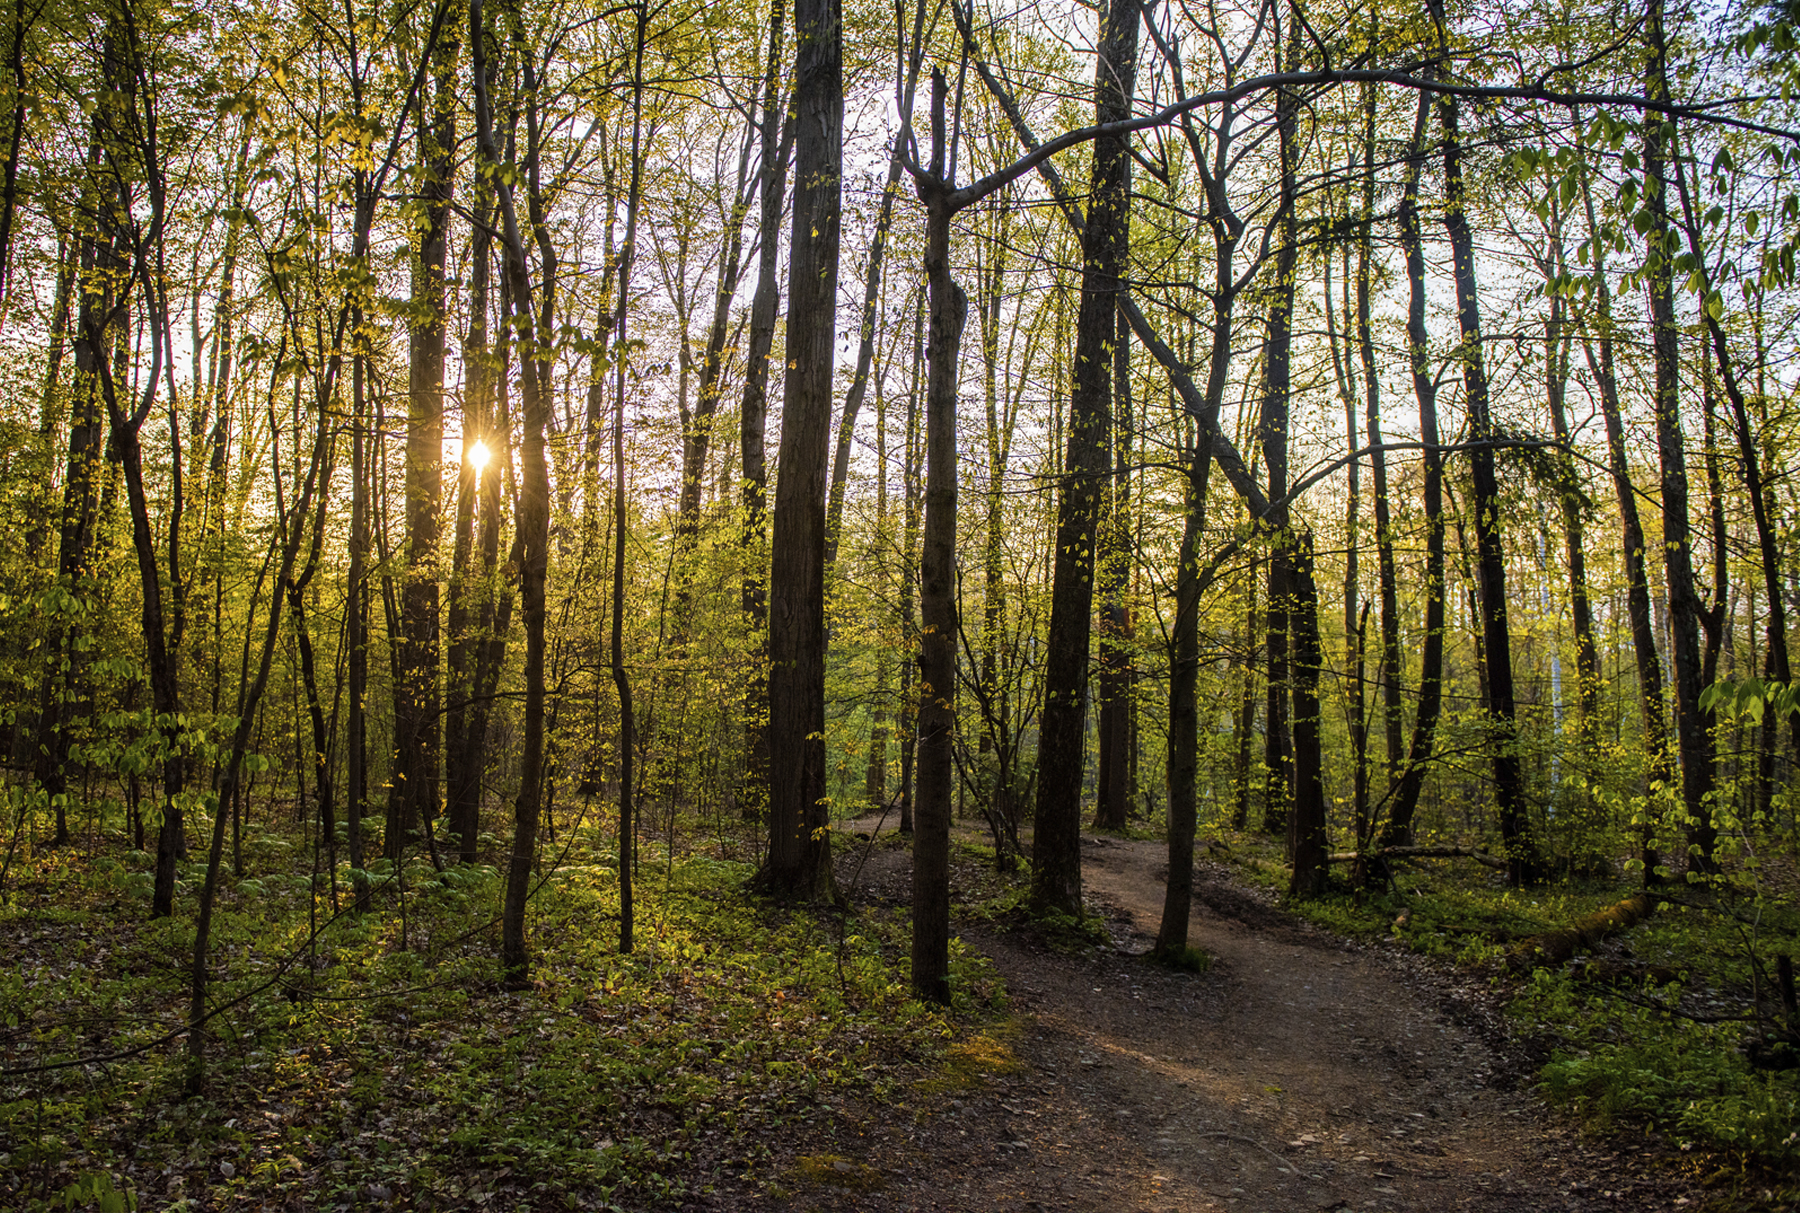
(1298,1074)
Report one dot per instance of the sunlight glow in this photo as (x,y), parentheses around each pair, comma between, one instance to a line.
(476,455)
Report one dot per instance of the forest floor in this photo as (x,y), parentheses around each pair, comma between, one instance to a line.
(1300,1072)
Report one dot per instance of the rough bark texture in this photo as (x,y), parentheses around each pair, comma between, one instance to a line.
(937,597)
(1509,782)
(417,715)
(1112,799)
(1431,672)
(1184,712)
(798,864)
(1693,737)
(776,138)
(1056,845)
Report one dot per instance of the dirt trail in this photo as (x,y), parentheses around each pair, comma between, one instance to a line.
(1298,1074)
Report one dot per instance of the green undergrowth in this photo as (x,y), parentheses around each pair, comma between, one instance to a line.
(1658,1031)
(1677,1049)
(1010,908)
(377,1061)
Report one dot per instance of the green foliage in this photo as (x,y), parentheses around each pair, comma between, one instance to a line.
(1625,1061)
(1013,908)
(1186,959)
(391,1060)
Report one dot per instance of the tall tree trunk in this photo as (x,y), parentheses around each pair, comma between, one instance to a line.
(1113,787)
(68,258)
(1749,459)
(1693,737)
(356,619)
(1062,726)
(1509,783)
(1272,431)
(799,859)
(1599,353)
(24,16)
(417,718)
(937,581)
(1184,709)
(533,524)
(776,140)
(1393,714)
(80,506)
(622,676)
(875,775)
(1355,662)
(910,59)
(1556,380)
(1399,829)
(462,763)
(913,491)
(1245,778)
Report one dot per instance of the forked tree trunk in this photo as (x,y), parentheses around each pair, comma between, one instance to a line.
(937,580)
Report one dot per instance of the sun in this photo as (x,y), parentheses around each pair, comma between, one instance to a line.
(476,455)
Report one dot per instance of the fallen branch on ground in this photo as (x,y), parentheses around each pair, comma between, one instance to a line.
(1480,857)
(1586,932)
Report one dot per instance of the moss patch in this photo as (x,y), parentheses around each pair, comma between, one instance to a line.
(836,1171)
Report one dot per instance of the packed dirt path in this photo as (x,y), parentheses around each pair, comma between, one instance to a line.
(1299,1073)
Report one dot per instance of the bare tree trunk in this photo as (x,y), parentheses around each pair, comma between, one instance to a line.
(356,623)
(80,507)
(1355,659)
(1693,737)
(913,489)
(1056,841)
(776,140)
(463,762)
(1393,714)
(622,676)
(905,86)
(1509,784)
(417,699)
(799,860)
(1399,830)
(533,519)
(937,598)
(1184,711)
(1113,788)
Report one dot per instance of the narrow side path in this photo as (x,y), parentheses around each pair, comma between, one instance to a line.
(1296,1075)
